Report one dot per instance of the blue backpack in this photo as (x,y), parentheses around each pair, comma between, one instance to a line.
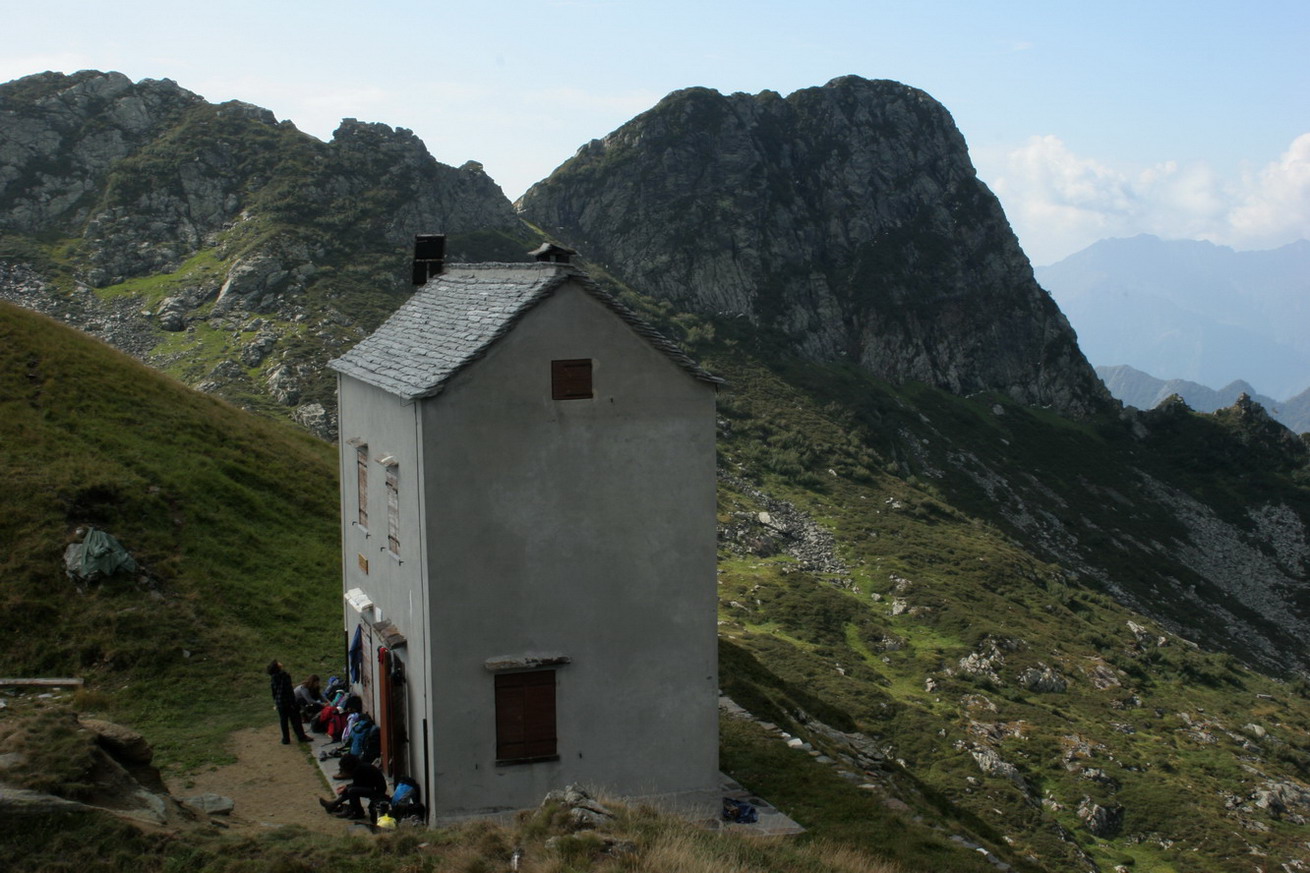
(366,739)
(406,791)
(405,802)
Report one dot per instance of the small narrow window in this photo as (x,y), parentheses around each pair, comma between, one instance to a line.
(570,380)
(361,467)
(393,509)
(525,717)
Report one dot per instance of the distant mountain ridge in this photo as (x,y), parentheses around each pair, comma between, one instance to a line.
(1187,309)
(1144,391)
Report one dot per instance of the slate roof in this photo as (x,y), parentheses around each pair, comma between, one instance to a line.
(453,319)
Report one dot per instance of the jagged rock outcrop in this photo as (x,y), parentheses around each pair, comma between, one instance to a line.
(1043,679)
(847,218)
(780,527)
(62,135)
(233,214)
(1144,391)
(149,173)
(1103,821)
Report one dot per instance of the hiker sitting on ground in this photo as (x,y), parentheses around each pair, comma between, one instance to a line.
(366,783)
(284,699)
(309,697)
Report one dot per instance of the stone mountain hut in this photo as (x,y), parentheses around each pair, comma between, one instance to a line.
(528,537)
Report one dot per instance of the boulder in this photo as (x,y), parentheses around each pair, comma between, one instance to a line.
(211,804)
(125,745)
(15,802)
(249,279)
(993,765)
(255,351)
(585,812)
(314,418)
(1102,821)
(1043,680)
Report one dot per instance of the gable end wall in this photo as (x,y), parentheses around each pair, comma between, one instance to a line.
(583,528)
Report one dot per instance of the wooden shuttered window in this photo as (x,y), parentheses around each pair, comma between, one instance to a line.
(361,476)
(393,509)
(525,717)
(570,380)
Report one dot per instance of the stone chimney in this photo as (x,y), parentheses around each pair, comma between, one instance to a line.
(552,254)
(429,256)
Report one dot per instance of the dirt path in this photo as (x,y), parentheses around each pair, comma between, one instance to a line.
(272,784)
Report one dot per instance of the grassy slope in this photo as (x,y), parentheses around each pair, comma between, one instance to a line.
(233,518)
(1168,738)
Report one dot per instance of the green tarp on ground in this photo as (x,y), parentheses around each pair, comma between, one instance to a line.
(97,556)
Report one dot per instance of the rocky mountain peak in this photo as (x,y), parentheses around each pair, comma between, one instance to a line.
(847,217)
(53,159)
(1257,429)
(353,134)
(252,232)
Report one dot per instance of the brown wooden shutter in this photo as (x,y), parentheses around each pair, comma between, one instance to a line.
(570,380)
(525,716)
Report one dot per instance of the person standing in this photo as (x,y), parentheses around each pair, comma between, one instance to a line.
(284,699)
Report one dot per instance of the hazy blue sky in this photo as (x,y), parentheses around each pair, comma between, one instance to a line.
(1089,120)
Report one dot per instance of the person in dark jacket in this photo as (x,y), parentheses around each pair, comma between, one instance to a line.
(366,783)
(284,699)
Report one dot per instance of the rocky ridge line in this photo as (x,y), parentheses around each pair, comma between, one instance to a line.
(847,219)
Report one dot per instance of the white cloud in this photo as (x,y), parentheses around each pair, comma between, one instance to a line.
(1277,198)
(1060,202)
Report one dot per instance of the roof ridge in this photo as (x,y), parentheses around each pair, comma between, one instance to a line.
(647,331)
(452,320)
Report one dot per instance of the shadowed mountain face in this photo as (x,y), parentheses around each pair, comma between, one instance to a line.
(846,218)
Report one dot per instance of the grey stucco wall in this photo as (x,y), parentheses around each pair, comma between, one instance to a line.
(584,528)
(394,584)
